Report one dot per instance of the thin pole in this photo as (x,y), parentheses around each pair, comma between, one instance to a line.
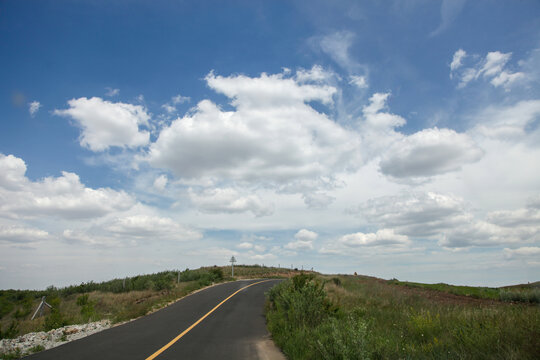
(40,308)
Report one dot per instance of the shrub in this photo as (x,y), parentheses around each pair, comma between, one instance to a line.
(217,273)
(37,348)
(342,338)
(11,355)
(87,308)
(55,319)
(6,306)
(530,296)
(306,325)
(11,332)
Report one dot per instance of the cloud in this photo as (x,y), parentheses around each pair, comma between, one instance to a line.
(513,123)
(273,137)
(534,202)
(33,107)
(515,218)
(105,124)
(64,196)
(447,219)
(475,233)
(429,152)
(416,214)
(456,60)
(306,235)
(317,200)
(170,107)
(377,127)
(317,74)
(250,246)
(522,252)
(245,245)
(304,240)
(160,182)
(263,256)
(299,245)
(112,92)
(337,45)
(228,200)
(450,10)
(77,237)
(380,238)
(152,228)
(491,68)
(18,234)
(358,81)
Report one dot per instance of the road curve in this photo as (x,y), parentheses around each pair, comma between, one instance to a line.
(234,330)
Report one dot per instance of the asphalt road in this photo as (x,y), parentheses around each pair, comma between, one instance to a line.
(235,330)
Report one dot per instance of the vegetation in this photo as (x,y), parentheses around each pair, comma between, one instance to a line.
(529,293)
(117,299)
(354,317)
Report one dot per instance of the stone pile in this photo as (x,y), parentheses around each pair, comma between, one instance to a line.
(51,338)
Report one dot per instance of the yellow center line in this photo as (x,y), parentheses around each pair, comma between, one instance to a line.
(154,355)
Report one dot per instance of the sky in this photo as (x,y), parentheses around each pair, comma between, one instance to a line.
(396,139)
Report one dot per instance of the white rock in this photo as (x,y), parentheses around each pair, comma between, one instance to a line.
(52,338)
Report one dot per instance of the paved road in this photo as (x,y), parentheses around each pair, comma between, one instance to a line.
(235,330)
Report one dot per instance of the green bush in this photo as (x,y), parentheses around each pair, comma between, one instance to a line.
(305,324)
(6,306)
(217,273)
(527,296)
(87,308)
(55,319)
(11,355)
(11,332)
(37,348)
(343,338)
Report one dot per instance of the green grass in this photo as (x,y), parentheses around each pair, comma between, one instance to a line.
(366,318)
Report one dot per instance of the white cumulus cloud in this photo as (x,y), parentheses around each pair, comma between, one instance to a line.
(152,228)
(416,214)
(228,200)
(513,123)
(64,196)
(272,137)
(430,152)
(358,81)
(303,240)
(105,124)
(160,182)
(19,234)
(380,238)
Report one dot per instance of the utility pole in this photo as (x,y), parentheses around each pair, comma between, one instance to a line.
(232,261)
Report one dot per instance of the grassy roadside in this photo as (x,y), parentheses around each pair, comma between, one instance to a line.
(117,300)
(527,293)
(353,317)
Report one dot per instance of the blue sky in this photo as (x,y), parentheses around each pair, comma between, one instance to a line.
(394,139)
